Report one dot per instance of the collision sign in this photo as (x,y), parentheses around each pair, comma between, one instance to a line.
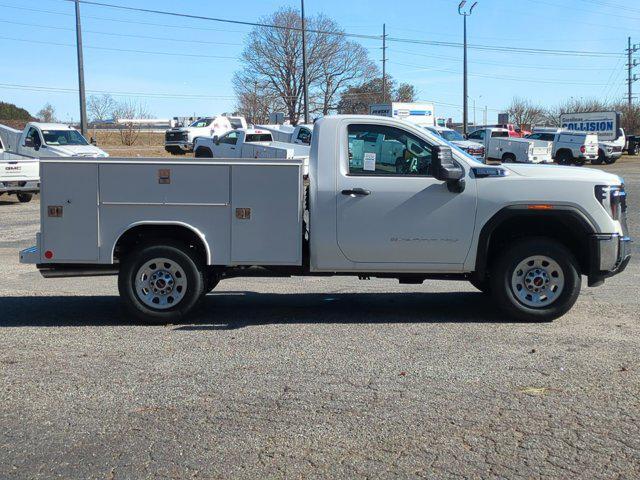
(605,124)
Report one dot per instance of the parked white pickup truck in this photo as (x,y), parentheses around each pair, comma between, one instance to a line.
(180,140)
(48,140)
(172,230)
(19,175)
(300,134)
(500,146)
(569,147)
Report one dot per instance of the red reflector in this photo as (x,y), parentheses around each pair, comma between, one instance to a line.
(48,254)
(583,149)
(540,207)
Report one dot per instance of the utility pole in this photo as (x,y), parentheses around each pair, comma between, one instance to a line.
(465,101)
(631,63)
(384,62)
(83,99)
(305,85)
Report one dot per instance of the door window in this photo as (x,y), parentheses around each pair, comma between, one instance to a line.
(230,138)
(304,136)
(35,137)
(382,150)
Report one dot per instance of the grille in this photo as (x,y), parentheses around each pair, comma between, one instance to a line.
(175,136)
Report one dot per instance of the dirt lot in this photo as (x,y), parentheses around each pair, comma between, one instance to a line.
(315,377)
(147,144)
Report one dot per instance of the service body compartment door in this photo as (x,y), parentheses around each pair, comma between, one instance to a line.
(69,211)
(266,224)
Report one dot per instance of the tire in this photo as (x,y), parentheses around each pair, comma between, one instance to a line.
(634,150)
(564,158)
(181,277)
(483,285)
(610,160)
(515,292)
(508,158)
(579,162)
(203,152)
(175,150)
(24,197)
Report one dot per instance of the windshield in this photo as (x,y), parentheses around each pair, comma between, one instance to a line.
(201,123)
(451,135)
(259,137)
(63,137)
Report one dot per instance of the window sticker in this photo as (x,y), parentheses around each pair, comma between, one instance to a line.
(369,162)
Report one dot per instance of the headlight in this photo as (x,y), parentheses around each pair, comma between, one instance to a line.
(613,199)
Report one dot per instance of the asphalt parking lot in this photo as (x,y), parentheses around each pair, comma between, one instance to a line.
(315,378)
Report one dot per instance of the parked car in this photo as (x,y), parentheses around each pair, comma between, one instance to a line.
(609,151)
(48,140)
(19,175)
(180,140)
(474,149)
(569,147)
(633,145)
(171,231)
(500,146)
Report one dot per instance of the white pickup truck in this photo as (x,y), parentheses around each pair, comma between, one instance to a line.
(172,230)
(500,146)
(249,143)
(568,146)
(48,140)
(180,140)
(300,134)
(19,175)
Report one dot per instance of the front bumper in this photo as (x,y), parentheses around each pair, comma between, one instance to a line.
(610,255)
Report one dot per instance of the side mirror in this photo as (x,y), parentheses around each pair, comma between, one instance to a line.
(28,142)
(93,142)
(445,169)
(216,139)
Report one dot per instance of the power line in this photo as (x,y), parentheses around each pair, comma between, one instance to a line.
(121,34)
(503,77)
(127,50)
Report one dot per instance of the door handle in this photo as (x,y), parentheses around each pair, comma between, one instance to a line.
(356,192)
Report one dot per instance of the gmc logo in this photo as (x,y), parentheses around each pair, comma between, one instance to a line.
(12,169)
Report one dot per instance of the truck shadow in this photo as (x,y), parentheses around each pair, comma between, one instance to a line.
(228,310)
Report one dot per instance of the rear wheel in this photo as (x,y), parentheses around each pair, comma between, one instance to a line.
(564,158)
(634,149)
(161,283)
(508,158)
(610,160)
(24,197)
(536,280)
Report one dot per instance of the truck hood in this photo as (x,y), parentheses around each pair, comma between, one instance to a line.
(73,151)
(547,172)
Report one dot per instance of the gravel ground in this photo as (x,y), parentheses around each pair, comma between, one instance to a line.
(315,377)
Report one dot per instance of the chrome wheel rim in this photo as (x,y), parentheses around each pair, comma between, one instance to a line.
(161,283)
(537,281)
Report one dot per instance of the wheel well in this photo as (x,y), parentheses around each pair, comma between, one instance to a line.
(564,151)
(569,229)
(203,152)
(508,155)
(146,234)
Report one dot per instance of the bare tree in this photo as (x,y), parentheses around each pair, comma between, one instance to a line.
(126,113)
(524,113)
(630,117)
(272,59)
(101,107)
(406,93)
(47,113)
(574,105)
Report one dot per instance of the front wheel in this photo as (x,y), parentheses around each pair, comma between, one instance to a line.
(161,283)
(24,197)
(536,280)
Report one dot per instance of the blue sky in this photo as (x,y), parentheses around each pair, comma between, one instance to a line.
(37,41)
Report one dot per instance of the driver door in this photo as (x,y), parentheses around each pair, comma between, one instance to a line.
(226,147)
(32,143)
(391,211)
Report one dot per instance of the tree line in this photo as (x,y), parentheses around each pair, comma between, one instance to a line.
(340,75)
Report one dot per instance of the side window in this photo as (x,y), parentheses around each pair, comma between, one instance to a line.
(304,136)
(35,138)
(534,136)
(382,150)
(230,138)
(477,135)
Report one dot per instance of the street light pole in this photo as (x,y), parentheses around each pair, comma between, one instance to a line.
(305,86)
(465,101)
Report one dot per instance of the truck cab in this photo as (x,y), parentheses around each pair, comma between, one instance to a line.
(299,134)
(18,175)
(384,198)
